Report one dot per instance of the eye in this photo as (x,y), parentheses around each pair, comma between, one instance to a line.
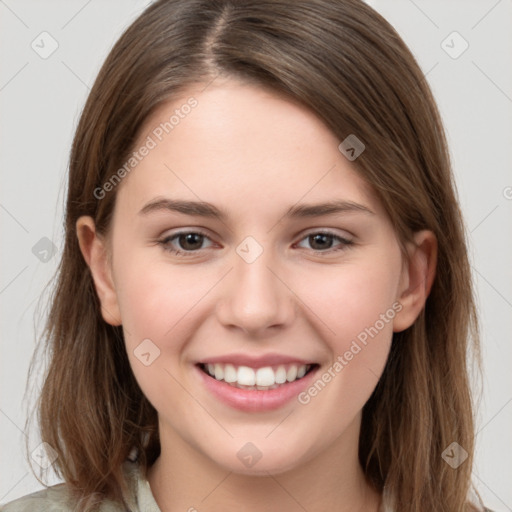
(321,242)
(190,241)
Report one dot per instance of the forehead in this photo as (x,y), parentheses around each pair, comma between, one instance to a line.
(240,144)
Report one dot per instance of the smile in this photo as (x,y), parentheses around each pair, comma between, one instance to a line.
(279,384)
(261,379)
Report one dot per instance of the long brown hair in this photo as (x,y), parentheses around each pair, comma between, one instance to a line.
(346,63)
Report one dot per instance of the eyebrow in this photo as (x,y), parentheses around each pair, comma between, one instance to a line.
(208,210)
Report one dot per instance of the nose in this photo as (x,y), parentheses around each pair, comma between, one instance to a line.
(255,297)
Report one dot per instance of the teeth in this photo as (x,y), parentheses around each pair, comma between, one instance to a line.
(280,375)
(230,373)
(245,376)
(219,372)
(263,378)
(301,372)
(291,374)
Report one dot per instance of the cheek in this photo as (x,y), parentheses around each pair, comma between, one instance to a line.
(349,298)
(158,303)
(353,307)
(154,296)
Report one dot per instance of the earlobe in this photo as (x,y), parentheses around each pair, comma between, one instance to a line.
(417,279)
(95,253)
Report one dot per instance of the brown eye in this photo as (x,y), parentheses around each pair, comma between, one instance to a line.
(323,242)
(190,241)
(184,242)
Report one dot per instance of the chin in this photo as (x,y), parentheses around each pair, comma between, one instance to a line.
(249,460)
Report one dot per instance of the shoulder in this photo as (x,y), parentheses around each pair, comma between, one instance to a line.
(56,498)
(51,499)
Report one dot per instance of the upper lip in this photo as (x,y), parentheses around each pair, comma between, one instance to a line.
(255,361)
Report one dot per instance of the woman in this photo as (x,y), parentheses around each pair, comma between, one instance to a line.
(263,370)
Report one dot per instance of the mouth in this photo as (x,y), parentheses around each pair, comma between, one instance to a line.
(257,379)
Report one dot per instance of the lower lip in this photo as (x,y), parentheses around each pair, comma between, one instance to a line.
(252,400)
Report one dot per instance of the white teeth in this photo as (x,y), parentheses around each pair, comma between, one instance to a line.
(230,373)
(281,375)
(245,376)
(291,374)
(263,378)
(219,372)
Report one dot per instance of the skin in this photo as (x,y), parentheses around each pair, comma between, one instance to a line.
(254,154)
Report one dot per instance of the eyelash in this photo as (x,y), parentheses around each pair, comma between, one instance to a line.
(180,253)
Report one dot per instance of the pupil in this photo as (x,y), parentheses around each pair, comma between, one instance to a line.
(189,237)
(321,237)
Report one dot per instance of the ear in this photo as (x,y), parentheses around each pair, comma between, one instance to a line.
(416,279)
(95,253)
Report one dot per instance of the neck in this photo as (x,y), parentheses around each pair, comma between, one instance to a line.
(183,478)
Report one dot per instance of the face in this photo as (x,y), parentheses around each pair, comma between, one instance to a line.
(256,288)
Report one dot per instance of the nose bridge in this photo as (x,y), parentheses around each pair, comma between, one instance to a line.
(255,297)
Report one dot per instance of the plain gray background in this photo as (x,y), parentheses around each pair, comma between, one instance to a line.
(41,97)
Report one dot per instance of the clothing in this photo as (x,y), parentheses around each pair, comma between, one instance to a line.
(57,499)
